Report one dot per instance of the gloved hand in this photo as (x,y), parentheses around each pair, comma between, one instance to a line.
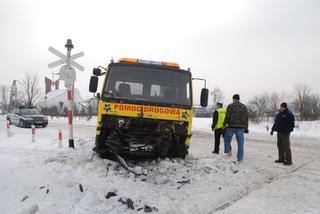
(246,130)
(271,133)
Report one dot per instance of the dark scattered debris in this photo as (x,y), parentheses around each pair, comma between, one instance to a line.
(130,204)
(81,188)
(47,191)
(127,201)
(183,182)
(42,187)
(139,209)
(147,209)
(220,188)
(110,194)
(24,198)
(223,206)
(235,171)
(121,200)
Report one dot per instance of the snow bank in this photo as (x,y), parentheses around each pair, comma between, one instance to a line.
(303,129)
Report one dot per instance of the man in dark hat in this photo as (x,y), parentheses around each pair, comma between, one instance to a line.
(283,125)
(236,123)
(217,123)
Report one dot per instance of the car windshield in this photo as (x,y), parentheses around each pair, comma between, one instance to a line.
(148,85)
(29,111)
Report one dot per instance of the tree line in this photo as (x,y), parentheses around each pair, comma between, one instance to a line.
(304,104)
(27,92)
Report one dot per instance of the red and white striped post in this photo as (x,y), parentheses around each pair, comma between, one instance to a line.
(68,75)
(70,115)
(60,138)
(33,131)
(8,128)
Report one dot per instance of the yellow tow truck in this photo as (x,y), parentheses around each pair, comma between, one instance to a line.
(145,108)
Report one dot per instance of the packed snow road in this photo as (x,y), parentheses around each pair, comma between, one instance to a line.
(42,178)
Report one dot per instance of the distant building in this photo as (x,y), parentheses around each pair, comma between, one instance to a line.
(49,83)
(59,98)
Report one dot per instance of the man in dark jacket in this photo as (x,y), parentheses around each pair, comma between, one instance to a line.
(236,122)
(283,125)
(217,124)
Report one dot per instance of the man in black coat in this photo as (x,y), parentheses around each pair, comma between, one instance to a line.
(283,125)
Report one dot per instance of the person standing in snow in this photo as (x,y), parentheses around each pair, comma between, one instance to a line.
(236,123)
(217,123)
(283,125)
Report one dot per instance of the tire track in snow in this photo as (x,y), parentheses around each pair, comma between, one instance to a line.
(268,180)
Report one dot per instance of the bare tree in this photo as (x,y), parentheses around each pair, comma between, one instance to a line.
(217,95)
(275,100)
(301,100)
(4,90)
(259,105)
(312,108)
(30,88)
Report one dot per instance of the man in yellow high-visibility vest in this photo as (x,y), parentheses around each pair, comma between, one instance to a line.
(217,124)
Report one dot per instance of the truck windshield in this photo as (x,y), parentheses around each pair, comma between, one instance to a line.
(148,85)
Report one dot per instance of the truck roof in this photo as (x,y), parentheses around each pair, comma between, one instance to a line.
(148,63)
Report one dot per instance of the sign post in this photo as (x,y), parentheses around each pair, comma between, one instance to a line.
(8,128)
(60,138)
(68,75)
(33,133)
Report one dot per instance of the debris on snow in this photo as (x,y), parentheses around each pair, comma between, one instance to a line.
(127,201)
(130,203)
(110,194)
(147,209)
(223,206)
(24,198)
(81,188)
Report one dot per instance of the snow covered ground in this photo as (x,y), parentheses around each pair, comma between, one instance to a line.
(42,178)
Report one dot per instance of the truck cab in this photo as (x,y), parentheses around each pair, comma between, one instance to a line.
(145,109)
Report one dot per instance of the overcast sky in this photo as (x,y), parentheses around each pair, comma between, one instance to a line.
(241,46)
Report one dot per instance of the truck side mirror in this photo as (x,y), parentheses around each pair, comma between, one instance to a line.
(204,97)
(96,71)
(93,84)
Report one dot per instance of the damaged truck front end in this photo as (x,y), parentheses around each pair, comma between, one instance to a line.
(145,109)
(141,137)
